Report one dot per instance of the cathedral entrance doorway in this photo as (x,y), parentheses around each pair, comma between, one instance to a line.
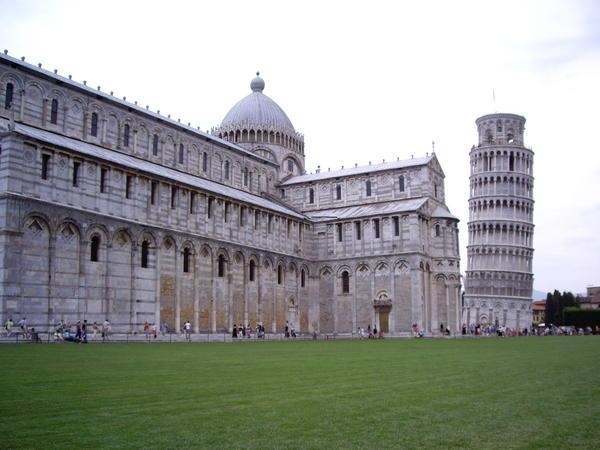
(382,305)
(384,321)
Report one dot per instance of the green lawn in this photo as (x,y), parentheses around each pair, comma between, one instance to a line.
(487,393)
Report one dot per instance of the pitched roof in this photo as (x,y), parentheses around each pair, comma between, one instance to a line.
(374,209)
(442,212)
(141,165)
(358,170)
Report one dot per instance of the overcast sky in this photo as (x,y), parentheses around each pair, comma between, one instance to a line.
(364,81)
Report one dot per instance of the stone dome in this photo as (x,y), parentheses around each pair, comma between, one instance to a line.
(257,111)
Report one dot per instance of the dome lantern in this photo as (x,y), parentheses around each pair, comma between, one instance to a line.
(257,84)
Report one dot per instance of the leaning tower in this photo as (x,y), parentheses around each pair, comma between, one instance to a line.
(499,278)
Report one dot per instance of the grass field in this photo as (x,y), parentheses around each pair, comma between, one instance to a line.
(525,392)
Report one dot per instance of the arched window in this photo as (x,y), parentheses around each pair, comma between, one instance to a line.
(345,282)
(95,248)
(227,170)
(488,136)
(126,135)
(499,126)
(290,165)
(368,187)
(511,162)
(94,124)
(252,270)
(54,111)
(8,98)
(221,266)
(245,176)
(155,145)
(204,162)
(181,151)
(338,192)
(302,278)
(279,274)
(311,196)
(186,260)
(401,183)
(145,248)
(437,230)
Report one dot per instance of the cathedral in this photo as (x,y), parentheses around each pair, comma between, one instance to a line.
(109,210)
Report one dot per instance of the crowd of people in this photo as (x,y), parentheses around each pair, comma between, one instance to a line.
(62,331)
(82,332)
(370,333)
(242,331)
(477,329)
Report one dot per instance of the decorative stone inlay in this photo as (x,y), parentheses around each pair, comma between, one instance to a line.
(28,156)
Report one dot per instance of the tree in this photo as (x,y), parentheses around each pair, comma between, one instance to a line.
(555,305)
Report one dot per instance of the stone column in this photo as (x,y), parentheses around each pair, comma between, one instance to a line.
(458,305)
(448,321)
(228,295)
(245,269)
(157,280)
(104,120)
(82,294)
(65,116)
(107,272)
(135,134)
(51,276)
(297,305)
(354,306)
(259,299)
(44,111)
(22,108)
(85,124)
(373,312)
(336,291)
(391,319)
(274,301)
(177,288)
(213,303)
(132,302)
(197,292)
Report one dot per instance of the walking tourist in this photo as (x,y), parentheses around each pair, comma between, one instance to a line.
(84,332)
(105,330)
(23,327)
(187,329)
(78,331)
(8,325)
(234,332)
